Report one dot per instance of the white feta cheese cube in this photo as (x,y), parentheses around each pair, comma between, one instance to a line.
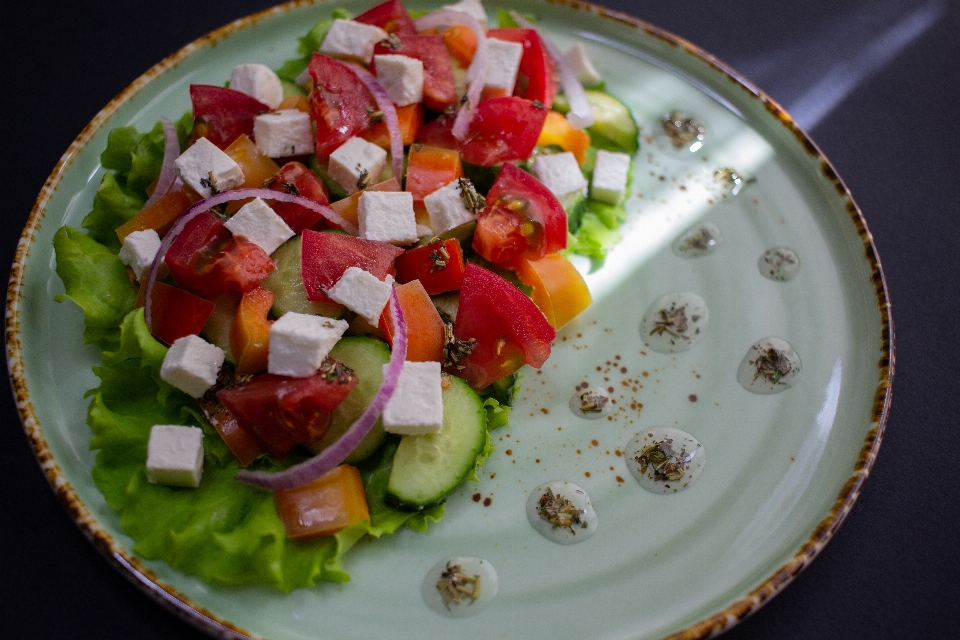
(387,216)
(560,173)
(192,365)
(610,176)
(207,169)
(503,63)
(175,455)
(581,65)
(355,162)
(362,292)
(401,77)
(352,40)
(258,81)
(260,224)
(284,133)
(299,342)
(416,406)
(472,7)
(446,208)
(139,249)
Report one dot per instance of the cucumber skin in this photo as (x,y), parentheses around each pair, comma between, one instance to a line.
(417,484)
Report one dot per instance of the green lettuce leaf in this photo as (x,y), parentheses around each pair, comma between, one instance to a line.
(308,44)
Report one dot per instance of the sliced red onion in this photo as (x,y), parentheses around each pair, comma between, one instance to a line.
(228,196)
(171,150)
(581,115)
(389,110)
(476,74)
(325,461)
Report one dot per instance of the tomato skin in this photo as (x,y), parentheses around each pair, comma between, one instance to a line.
(175,313)
(522,218)
(294,177)
(340,103)
(206,259)
(502,130)
(439,89)
(508,328)
(416,264)
(226,113)
(242,444)
(537,78)
(439,133)
(391,16)
(325,256)
(283,411)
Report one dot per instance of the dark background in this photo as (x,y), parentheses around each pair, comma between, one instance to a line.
(875,83)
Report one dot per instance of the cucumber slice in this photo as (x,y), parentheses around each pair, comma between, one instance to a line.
(427,468)
(217,328)
(614,128)
(287,285)
(366,356)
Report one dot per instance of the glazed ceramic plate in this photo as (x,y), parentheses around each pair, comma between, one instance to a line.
(780,471)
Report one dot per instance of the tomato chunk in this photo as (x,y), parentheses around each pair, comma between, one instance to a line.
(507,328)
(225,113)
(503,130)
(391,16)
(294,177)
(242,444)
(175,313)
(537,77)
(439,89)
(341,104)
(325,256)
(438,266)
(558,288)
(325,506)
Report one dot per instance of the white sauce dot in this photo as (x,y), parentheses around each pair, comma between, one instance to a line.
(779,263)
(681,133)
(769,366)
(579,501)
(482,579)
(674,322)
(682,449)
(591,403)
(699,241)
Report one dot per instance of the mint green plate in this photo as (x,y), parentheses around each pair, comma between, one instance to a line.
(782,470)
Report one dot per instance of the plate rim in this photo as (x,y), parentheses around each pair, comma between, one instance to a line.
(132,568)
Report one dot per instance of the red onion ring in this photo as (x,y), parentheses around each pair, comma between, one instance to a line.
(227,196)
(325,461)
(476,73)
(581,115)
(171,149)
(389,110)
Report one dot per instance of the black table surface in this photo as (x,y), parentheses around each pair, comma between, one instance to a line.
(876,83)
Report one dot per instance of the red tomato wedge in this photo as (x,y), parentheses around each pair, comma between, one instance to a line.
(522,219)
(243,444)
(283,411)
(175,312)
(391,16)
(206,259)
(507,328)
(326,255)
(294,177)
(225,112)
(438,266)
(537,78)
(439,89)
(341,104)
(323,507)
(503,130)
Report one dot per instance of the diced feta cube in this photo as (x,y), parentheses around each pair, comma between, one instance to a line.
(503,63)
(356,162)
(207,169)
(192,365)
(352,40)
(280,134)
(139,249)
(258,81)
(299,342)
(401,77)
(560,173)
(416,406)
(387,216)
(610,176)
(472,7)
(259,224)
(362,292)
(175,455)
(581,65)
(447,209)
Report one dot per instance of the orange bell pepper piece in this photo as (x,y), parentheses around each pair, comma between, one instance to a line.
(557,130)
(461,43)
(250,332)
(425,336)
(325,506)
(159,216)
(410,118)
(558,288)
(347,207)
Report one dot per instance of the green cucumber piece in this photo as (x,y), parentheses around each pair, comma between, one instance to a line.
(366,356)
(216,330)
(287,285)
(427,468)
(614,128)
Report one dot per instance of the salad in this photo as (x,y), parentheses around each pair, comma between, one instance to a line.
(315,292)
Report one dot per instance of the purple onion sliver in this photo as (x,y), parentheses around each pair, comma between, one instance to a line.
(331,457)
(389,110)
(171,150)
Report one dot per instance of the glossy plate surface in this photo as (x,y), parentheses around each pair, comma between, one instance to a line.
(781,470)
